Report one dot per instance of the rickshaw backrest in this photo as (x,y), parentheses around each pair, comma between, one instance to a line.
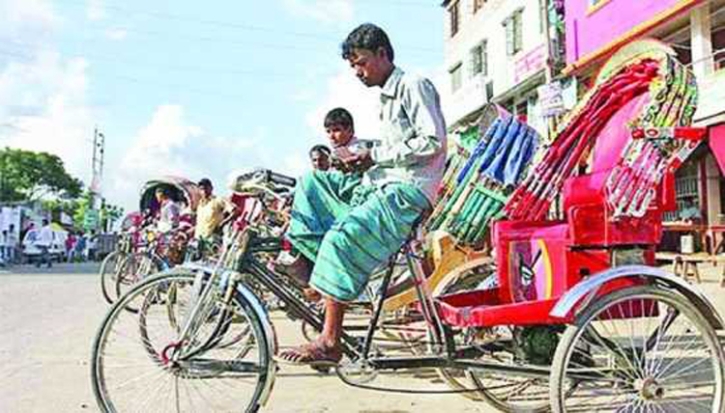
(610,215)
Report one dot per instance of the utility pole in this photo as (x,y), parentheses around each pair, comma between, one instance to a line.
(99,143)
(92,217)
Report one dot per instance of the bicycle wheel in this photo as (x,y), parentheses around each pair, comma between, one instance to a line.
(135,267)
(644,349)
(508,392)
(110,268)
(461,280)
(133,366)
(169,303)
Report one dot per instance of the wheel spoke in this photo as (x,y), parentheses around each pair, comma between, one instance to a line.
(134,361)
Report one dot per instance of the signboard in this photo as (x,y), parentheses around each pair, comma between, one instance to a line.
(9,216)
(91,219)
(530,63)
(551,99)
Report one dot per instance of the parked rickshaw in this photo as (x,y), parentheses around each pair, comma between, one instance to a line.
(579,319)
(140,251)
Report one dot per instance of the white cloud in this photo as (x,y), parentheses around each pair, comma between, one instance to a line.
(116,34)
(95,10)
(170,144)
(327,11)
(43,107)
(27,20)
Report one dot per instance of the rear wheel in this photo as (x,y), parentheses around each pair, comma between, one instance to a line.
(135,268)
(507,392)
(139,364)
(110,268)
(459,280)
(639,349)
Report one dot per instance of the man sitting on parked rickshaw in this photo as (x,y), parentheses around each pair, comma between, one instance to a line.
(342,236)
(320,157)
(210,214)
(340,129)
(169,211)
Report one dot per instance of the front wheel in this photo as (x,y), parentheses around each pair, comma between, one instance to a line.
(643,348)
(139,363)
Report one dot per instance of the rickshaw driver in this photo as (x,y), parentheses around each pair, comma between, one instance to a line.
(342,238)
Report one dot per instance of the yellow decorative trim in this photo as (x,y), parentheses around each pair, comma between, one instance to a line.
(593,9)
(547,267)
(633,32)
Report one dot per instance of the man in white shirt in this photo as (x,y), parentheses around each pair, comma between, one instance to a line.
(341,239)
(44,242)
(169,211)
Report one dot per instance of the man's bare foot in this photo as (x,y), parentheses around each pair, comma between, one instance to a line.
(312,295)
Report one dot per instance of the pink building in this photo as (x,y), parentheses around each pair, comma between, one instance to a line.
(595,28)
(696,31)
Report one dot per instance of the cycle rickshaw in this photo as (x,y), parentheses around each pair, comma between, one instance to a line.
(134,259)
(579,320)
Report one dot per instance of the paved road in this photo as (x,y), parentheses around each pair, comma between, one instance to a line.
(48,320)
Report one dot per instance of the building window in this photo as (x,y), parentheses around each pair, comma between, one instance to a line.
(478,5)
(453,12)
(718,38)
(514,32)
(479,59)
(456,78)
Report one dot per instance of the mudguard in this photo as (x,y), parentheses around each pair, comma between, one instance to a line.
(585,290)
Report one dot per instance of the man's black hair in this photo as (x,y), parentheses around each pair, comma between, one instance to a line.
(367,37)
(205,182)
(45,221)
(339,116)
(321,149)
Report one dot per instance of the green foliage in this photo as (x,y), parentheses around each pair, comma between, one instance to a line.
(28,176)
(83,204)
(31,176)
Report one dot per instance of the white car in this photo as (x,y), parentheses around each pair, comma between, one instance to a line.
(56,250)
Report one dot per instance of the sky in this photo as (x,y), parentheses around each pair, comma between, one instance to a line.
(188,88)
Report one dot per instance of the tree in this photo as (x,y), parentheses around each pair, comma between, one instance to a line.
(56,207)
(28,176)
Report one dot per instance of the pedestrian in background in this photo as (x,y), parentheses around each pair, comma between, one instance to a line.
(12,245)
(80,247)
(44,242)
(91,246)
(69,246)
(3,247)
